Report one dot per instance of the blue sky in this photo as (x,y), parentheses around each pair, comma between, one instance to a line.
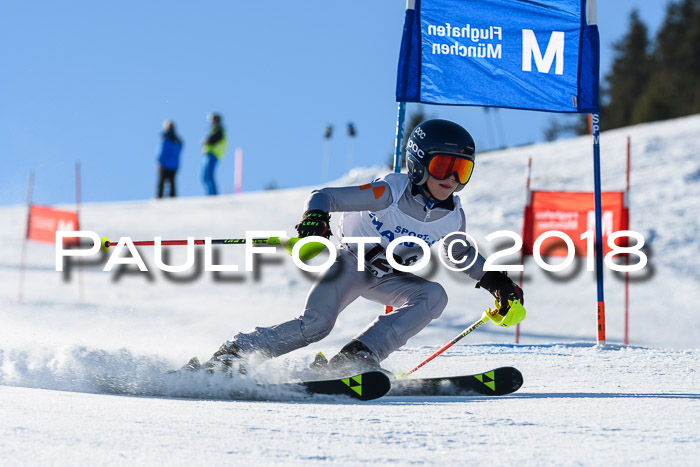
(93,81)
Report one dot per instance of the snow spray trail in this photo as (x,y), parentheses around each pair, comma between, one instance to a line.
(82,369)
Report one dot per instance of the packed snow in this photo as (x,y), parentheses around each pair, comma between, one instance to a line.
(83,353)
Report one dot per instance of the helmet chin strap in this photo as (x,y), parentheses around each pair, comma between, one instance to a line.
(430,200)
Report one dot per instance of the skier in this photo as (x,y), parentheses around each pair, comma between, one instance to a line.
(440,159)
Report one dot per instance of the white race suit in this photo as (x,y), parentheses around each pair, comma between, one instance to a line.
(388,208)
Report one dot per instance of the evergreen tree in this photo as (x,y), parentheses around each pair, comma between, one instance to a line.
(629,76)
(646,85)
(674,88)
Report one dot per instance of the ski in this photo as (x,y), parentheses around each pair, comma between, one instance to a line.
(364,386)
(497,382)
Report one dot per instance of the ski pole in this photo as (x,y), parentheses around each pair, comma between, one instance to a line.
(306,252)
(484,319)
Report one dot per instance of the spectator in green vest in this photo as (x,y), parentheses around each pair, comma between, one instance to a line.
(213,148)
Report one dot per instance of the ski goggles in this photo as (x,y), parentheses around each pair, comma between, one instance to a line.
(443,166)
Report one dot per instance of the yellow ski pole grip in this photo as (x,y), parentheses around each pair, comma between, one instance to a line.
(307,251)
(493,315)
(515,314)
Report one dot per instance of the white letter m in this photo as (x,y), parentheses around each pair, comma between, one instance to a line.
(555,48)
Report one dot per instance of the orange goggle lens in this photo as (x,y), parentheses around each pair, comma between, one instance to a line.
(442,167)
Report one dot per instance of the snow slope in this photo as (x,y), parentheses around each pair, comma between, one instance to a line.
(78,375)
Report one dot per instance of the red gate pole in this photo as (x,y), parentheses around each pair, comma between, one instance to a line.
(522,250)
(627,256)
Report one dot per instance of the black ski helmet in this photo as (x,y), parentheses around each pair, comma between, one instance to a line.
(433,137)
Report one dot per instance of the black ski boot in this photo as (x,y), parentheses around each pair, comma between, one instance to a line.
(354,358)
(224,359)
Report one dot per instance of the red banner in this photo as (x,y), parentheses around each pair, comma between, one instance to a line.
(45,221)
(571,213)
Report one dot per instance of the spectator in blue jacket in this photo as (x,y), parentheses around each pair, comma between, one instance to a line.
(169,158)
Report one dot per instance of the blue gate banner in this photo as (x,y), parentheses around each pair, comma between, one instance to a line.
(522,54)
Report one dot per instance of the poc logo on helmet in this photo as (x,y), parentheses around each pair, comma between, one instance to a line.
(411,145)
(419,132)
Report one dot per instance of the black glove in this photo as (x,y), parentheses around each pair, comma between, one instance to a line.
(314,224)
(502,288)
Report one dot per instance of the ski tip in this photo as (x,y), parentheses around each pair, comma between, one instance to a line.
(363,386)
(368,386)
(503,380)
